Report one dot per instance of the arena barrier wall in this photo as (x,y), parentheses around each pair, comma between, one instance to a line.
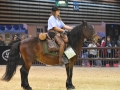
(102,58)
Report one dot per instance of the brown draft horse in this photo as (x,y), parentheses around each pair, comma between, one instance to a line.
(31,50)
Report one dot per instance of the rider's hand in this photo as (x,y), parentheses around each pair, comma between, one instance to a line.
(65,32)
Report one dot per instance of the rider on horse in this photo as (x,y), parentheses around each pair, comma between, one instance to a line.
(56,30)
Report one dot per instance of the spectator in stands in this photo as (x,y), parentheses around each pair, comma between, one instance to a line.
(18,38)
(2,43)
(103,51)
(29,36)
(109,44)
(13,41)
(92,53)
(23,37)
(98,62)
(118,41)
(85,53)
(109,51)
(117,51)
(114,44)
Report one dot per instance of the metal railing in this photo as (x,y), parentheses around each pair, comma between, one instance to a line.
(104,57)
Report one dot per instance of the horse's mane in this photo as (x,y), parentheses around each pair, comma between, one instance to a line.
(75,36)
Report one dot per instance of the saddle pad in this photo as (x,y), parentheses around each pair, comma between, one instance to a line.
(45,50)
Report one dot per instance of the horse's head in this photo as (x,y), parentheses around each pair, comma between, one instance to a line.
(89,32)
(79,32)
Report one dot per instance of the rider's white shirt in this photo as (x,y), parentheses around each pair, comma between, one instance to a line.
(54,22)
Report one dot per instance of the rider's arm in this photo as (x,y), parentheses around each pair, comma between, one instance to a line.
(67,27)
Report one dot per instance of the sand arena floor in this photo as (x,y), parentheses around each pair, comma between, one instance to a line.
(54,77)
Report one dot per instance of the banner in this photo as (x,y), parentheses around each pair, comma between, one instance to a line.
(4,54)
(76,6)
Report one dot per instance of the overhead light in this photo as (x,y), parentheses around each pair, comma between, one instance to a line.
(61,2)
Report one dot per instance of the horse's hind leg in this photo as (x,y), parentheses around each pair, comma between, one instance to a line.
(24,73)
(24,78)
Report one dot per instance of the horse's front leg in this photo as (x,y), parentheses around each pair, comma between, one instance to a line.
(69,70)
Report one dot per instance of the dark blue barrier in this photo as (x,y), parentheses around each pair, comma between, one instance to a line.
(4,54)
(13,28)
(2,27)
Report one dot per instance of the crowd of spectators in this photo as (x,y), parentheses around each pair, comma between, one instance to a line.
(2,43)
(14,39)
(100,53)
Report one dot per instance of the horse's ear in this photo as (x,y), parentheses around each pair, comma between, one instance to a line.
(84,22)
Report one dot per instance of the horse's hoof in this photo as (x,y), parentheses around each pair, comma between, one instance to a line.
(29,88)
(70,87)
(26,87)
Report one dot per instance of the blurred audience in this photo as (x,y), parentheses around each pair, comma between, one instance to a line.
(98,62)
(29,36)
(103,52)
(85,52)
(110,53)
(2,43)
(109,44)
(118,41)
(14,40)
(92,53)
(23,37)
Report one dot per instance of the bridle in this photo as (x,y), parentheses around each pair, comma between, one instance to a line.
(92,35)
(92,38)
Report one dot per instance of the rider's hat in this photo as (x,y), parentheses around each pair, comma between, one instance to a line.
(55,8)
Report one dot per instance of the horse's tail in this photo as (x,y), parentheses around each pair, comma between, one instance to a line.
(12,62)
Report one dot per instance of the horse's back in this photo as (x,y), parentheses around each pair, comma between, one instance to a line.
(32,40)
(30,45)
